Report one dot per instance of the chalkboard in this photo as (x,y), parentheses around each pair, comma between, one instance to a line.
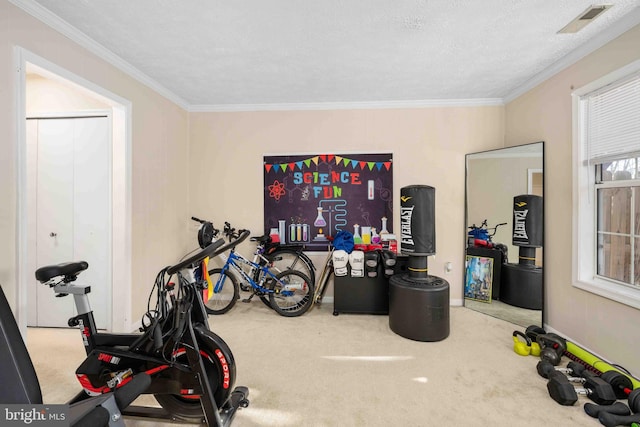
(308,198)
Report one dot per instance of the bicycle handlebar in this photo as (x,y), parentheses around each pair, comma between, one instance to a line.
(209,251)
(239,239)
(201,221)
(484,224)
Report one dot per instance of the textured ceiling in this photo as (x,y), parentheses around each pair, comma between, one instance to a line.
(228,54)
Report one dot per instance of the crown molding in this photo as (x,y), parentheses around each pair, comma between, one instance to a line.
(63,27)
(623,25)
(427,103)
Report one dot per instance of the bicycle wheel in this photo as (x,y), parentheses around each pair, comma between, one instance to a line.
(257,277)
(292,293)
(225,292)
(283,259)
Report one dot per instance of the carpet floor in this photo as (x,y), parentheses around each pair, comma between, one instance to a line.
(352,370)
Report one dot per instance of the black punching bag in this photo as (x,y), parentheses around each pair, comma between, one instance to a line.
(521,283)
(527,221)
(418,220)
(418,301)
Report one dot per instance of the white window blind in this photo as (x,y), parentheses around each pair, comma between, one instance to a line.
(613,121)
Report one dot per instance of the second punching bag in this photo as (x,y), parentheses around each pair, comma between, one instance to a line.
(527,221)
(418,220)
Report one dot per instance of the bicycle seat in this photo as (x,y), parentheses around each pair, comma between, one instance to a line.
(46,273)
(262,239)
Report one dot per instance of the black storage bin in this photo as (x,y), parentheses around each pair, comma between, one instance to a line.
(366,295)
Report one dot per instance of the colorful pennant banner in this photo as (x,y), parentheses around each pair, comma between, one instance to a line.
(326,158)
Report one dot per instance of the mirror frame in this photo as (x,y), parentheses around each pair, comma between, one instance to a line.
(544,213)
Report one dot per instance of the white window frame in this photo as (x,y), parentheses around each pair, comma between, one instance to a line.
(584,264)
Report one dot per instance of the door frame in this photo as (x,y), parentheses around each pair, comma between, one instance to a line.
(530,174)
(121,206)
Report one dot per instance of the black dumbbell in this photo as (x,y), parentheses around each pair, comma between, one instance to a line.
(622,387)
(562,391)
(611,420)
(552,347)
(621,384)
(573,369)
(617,408)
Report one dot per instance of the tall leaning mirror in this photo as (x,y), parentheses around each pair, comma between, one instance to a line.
(504,235)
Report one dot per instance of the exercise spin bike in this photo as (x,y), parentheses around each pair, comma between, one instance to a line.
(192,369)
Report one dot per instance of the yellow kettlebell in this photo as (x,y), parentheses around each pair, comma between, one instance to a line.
(525,348)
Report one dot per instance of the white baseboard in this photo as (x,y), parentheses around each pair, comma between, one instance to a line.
(452,303)
(585,348)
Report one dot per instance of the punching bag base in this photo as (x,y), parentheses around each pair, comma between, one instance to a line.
(419,309)
(521,286)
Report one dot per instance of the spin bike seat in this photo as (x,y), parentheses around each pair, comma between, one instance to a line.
(44,274)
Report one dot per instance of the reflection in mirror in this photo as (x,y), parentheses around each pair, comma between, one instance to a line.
(504,217)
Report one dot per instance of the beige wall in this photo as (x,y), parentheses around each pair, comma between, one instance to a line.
(160,215)
(428,145)
(544,114)
(44,95)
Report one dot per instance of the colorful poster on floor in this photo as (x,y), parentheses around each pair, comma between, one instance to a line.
(308,198)
(478,278)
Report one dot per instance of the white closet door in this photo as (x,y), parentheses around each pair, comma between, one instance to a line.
(92,211)
(73,214)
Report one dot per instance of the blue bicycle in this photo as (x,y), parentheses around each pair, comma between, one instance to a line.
(289,293)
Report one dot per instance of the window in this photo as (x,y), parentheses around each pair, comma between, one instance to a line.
(618,221)
(606,231)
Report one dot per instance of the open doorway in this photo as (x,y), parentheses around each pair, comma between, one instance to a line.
(64,95)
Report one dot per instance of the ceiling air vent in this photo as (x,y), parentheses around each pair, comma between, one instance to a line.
(585,18)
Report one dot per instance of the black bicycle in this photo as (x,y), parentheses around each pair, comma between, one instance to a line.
(192,369)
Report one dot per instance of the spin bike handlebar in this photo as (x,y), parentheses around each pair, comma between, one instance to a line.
(210,251)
